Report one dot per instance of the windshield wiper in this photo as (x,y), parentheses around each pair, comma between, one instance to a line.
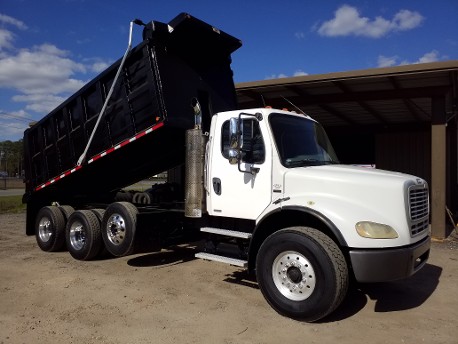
(309,162)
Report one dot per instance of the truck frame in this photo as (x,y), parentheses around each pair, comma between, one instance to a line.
(262,189)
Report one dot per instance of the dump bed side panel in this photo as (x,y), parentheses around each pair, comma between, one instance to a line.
(176,62)
(54,145)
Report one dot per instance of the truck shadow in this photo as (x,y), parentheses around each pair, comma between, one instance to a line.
(172,256)
(242,278)
(389,296)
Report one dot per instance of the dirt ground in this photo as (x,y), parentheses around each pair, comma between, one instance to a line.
(170,297)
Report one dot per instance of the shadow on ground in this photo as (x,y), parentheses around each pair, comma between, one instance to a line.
(175,255)
(389,296)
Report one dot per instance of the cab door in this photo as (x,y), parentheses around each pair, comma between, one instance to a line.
(232,190)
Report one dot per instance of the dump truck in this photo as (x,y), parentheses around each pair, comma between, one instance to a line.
(260,189)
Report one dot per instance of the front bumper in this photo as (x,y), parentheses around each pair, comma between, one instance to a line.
(388,264)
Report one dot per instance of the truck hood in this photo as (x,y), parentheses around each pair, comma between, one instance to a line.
(349,194)
(348,172)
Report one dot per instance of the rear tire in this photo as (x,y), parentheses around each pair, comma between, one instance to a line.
(84,240)
(119,225)
(99,214)
(302,273)
(50,229)
(67,210)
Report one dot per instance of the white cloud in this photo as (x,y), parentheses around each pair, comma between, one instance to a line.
(299,35)
(43,69)
(41,103)
(13,124)
(20,115)
(386,61)
(407,20)
(389,61)
(4,19)
(7,36)
(432,56)
(6,39)
(347,21)
(12,131)
(41,76)
(99,66)
(276,76)
(299,72)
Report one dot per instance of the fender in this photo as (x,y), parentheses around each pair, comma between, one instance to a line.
(316,214)
(260,233)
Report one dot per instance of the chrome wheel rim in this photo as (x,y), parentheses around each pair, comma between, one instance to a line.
(293,275)
(116,229)
(77,235)
(44,229)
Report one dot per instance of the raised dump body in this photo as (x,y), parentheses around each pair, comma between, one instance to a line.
(142,131)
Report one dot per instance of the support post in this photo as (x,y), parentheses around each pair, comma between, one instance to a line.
(438,168)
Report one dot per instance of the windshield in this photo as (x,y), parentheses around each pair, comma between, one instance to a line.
(301,141)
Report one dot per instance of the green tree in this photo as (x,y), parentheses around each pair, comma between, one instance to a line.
(11,157)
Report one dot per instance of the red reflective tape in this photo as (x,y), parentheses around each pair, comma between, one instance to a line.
(101,155)
(157,126)
(140,135)
(108,151)
(53,180)
(97,157)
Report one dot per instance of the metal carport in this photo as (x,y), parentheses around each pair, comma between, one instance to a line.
(398,118)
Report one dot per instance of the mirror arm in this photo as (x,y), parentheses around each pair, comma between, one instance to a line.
(253,170)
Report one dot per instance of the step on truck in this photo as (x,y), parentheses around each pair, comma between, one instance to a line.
(261,189)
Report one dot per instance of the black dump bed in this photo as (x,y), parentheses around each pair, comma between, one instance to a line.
(142,132)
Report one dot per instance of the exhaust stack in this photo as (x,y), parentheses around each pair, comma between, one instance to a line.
(195,148)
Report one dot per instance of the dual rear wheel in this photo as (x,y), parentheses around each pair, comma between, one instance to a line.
(87,232)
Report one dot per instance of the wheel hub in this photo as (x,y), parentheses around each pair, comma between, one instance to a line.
(44,229)
(77,235)
(116,229)
(293,275)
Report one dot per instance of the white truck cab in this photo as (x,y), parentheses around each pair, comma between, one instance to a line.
(278,169)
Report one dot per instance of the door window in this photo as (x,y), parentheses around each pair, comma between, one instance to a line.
(253,149)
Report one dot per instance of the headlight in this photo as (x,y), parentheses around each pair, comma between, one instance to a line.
(374,230)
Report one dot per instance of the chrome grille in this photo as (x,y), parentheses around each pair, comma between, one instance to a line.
(418,208)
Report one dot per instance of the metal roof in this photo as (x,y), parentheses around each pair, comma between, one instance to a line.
(380,96)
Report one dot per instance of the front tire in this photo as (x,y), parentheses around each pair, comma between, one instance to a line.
(302,273)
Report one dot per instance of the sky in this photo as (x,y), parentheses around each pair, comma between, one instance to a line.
(50,49)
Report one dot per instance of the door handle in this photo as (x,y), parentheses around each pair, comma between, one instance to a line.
(217,186)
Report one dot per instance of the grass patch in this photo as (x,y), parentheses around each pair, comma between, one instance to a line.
(11,204)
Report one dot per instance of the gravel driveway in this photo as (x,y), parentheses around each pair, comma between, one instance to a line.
(169,297)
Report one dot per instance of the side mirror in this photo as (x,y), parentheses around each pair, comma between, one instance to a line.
(235,140)
(235,133)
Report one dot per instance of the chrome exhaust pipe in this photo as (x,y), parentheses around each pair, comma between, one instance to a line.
(197,113)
